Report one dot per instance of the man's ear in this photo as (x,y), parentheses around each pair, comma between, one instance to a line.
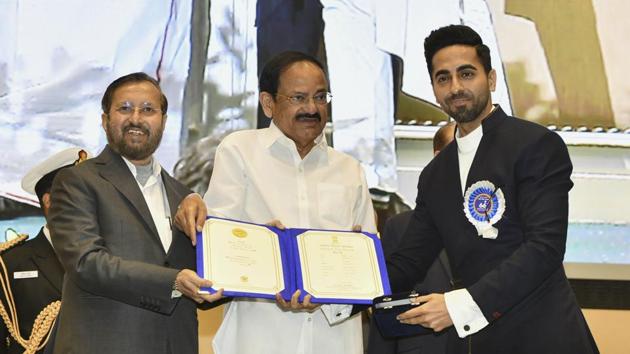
(267,103)
(104,119)
(45,203)
(492,80)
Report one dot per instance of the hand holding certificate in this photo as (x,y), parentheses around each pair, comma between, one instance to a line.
(259,261)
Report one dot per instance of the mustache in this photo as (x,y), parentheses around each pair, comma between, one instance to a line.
(142,127)
(459,95)
(308,116)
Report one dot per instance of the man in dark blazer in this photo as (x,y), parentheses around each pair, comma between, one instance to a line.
(35,274)
(126,268)
(438,278)
(497,200)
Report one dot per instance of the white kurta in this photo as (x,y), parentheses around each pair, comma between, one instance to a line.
(259,176)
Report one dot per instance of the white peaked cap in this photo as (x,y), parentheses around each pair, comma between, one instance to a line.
(63,158)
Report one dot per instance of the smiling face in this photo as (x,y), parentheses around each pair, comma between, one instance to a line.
(461,85)
(135,135)
(301,123)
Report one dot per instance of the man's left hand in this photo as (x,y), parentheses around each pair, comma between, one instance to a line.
(189,283)
(432,313)
(295,305)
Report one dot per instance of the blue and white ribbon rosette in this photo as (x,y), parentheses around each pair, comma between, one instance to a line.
(484,205)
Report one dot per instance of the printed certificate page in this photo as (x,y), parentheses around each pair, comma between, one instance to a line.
(242,257)
(339,265)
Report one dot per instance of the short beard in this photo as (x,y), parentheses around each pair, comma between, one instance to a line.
(134,153)
(465,115)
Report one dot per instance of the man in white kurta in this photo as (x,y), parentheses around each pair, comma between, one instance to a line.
(287,172)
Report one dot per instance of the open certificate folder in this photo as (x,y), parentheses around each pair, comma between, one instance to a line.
(251,260)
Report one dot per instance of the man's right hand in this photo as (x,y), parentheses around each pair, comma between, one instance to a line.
(189,283)
(191,215)
(276,223)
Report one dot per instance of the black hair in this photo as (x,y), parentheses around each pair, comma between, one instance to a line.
(44,185)
(106,102)
(269,79)
(455,35)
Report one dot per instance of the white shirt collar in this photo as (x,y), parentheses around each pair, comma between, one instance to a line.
(469,142)
(274,135)
(157,169)
(47,234)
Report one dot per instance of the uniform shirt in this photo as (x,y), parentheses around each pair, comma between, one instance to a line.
(259,176)
(47,234)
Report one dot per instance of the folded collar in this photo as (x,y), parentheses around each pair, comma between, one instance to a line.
(273,135)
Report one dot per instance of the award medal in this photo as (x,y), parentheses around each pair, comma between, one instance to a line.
(484,205)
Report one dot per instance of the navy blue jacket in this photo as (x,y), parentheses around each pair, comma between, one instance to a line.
(517,279)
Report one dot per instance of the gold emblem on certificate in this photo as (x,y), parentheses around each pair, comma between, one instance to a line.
(240,233)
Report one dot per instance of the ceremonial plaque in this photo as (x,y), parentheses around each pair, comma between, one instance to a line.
(251,260)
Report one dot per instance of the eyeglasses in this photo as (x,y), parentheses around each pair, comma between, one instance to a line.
(146,110)
(320,98)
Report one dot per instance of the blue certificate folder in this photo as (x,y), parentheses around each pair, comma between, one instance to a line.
(292,265)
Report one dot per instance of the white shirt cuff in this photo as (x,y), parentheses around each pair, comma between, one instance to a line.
(465,313)
(336,313)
